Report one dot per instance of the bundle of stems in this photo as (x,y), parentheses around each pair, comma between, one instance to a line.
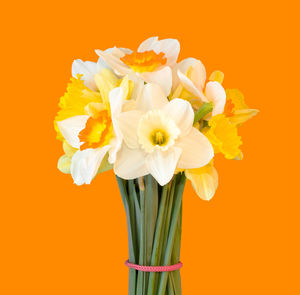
(154,218)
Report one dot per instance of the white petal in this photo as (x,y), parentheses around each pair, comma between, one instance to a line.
(162,165)
(197,151)
(197,74)
(147,44)
(116,102)
(117,65)
(152,97)
(162,77)
(88,69)
(71,127)
(182,113)
(171,48)
(130,163)
(215,92)
(85,164)
(128,123)
(188,84)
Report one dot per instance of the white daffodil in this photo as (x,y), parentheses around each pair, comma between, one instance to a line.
(191,74)
(152,62)
(94,136)
(159,137)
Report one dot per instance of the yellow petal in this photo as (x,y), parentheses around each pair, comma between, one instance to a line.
(241,116)
(217,76)
(237,99)
(94,108)
(69,150)
(64,164)
(223,136)
(204,181)
(106,81)
(127,86)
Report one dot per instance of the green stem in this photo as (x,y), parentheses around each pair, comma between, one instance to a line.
(174,222)
(206,108)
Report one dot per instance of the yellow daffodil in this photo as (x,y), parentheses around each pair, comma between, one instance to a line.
(159,137)
(85,123)
(152,62)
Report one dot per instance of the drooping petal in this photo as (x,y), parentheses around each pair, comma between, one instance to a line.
(85,164)
(71,127)
(128,123)
(197,151)
(162,77)
(87,69)
(204,180)
(193,69)
(152,97)
(162,165)
(215,93)
(130,163)
(182,113)
(64,164)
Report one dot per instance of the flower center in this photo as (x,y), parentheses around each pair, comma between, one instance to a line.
(159,137)
(147,61)
(97,132)
(156,130)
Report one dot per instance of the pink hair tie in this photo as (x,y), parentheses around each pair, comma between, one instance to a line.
(166,268)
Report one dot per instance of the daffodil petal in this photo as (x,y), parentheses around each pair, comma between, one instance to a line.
(241,116)
(195,70)
(217,76)
(182,113)
(130,163)
(170,47)
(87,69)
(217,95)
(118,66)
(147,44)
(162,77)
(204,180)
(85,164)
(64,164)
(162,165)
(128,122)
(71,127)
(152,97)
(188,84)
(197,151)
(116,102)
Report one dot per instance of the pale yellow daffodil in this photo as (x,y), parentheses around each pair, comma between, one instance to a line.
(152,62)
(158,137)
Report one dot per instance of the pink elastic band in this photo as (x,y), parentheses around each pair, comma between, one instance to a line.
(167,268)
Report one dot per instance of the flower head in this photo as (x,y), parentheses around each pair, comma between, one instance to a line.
(159,137)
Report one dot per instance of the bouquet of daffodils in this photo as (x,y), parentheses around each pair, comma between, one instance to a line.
(156,122)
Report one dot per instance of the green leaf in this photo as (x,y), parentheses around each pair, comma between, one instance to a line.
(206,108)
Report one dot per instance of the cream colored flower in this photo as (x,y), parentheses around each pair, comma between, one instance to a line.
(191,75)
(159,137)
(152,62)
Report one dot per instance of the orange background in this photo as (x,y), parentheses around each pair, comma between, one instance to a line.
(57,238)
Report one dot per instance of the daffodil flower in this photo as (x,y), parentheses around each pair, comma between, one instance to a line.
(159,137)
(190,74)
(152,62)
(94,136)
